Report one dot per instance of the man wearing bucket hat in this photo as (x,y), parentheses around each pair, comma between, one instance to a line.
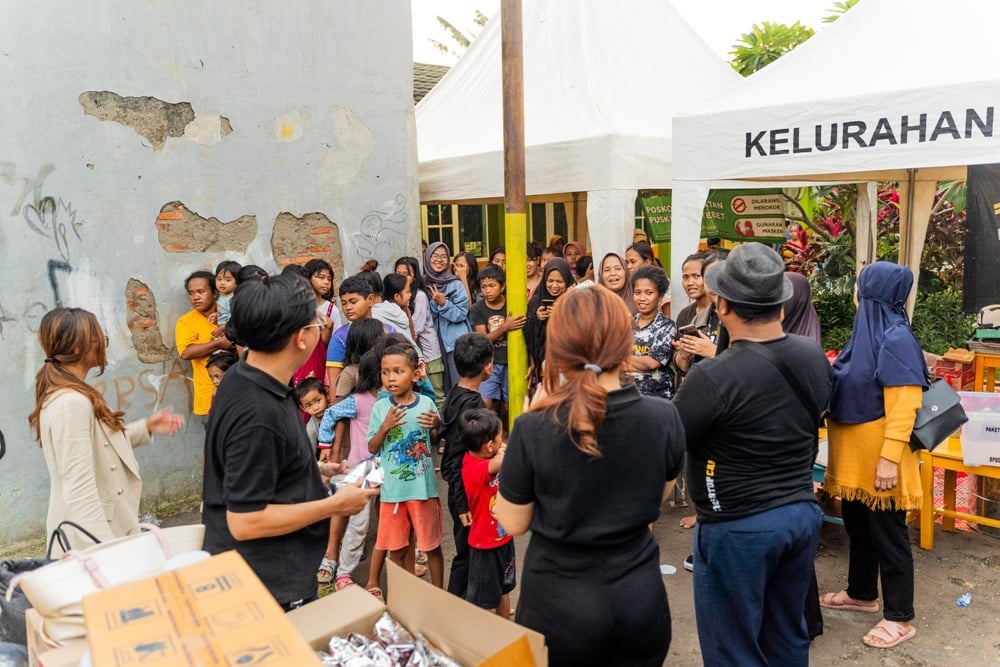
(751,416)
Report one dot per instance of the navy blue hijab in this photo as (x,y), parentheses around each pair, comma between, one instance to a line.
(882,352)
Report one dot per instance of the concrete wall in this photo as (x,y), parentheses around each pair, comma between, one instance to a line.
(141,141)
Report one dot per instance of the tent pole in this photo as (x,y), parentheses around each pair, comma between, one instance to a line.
(515,221)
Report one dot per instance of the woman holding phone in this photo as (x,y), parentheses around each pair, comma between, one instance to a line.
(556,279)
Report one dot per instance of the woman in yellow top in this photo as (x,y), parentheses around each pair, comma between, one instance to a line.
(878,381)
(87,446)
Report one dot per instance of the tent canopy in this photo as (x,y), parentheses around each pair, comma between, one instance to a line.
(601,82)
(889,92)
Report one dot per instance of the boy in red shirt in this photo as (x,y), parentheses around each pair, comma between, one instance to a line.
(491,549)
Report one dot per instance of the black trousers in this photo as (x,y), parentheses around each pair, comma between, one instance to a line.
(596,605)
(880,547)
(458,577)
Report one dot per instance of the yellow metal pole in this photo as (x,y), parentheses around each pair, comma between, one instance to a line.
(515,221)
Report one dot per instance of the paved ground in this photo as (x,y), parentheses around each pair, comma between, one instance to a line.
(946,634)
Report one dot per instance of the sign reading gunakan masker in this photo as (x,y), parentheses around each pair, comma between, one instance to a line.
(735,215)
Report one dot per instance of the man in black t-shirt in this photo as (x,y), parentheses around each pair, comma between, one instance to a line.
(751,446)
(263,491)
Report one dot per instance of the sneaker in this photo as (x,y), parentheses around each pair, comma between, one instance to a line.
(689,563)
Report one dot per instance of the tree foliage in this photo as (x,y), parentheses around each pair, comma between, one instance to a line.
(838,10)
(765,43)
(461,38)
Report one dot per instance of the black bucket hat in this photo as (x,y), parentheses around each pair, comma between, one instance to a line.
(752,274)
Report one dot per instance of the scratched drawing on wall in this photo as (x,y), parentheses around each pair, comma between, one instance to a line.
(382,233)
(56,220)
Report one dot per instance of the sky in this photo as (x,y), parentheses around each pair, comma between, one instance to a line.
(719,22)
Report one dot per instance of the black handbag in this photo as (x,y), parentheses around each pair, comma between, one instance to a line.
(939,416)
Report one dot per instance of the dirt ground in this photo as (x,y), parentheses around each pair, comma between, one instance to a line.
(961,562)
(947,635)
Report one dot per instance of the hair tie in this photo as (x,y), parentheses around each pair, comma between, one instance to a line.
(50,360)
(593,367)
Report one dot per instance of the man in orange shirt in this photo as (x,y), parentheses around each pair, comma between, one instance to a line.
(194,340)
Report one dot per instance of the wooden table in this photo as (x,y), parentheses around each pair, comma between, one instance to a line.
(948,456)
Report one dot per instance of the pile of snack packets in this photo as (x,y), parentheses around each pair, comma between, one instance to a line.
(393,646)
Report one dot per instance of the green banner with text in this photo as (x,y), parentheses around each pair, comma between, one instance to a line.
(734,215)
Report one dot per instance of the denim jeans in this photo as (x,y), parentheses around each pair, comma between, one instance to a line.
(751,576)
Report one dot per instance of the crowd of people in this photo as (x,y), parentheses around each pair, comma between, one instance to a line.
(326,404)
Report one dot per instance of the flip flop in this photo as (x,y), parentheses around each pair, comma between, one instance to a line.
(887,634)
(841,600)
(377,593)
(327,569)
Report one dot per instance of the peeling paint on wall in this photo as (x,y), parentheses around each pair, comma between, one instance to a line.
(297,240)
(290,126)
(353,143)
(208,130)
(151,118)
(182,230)
(143,322)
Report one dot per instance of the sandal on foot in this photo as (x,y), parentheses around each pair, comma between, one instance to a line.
(841,600)
(377,593)
(326,571)
(420,570)
(421,558)
(342,582)
(887,634)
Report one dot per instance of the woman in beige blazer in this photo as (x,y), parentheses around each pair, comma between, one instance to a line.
(87,446)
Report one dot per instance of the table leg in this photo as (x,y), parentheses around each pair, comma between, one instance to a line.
(927,502)
(948,523)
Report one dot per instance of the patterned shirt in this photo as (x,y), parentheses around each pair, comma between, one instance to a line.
(406,454)
(654,340)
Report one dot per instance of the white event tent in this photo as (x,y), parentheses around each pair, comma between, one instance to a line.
(601,82)
(893,91)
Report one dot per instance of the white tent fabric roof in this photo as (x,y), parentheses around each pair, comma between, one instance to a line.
(907,63)
(904,86)
(601,79)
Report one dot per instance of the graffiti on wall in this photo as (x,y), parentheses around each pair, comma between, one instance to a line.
(53,218)
(382,233)
(146,389)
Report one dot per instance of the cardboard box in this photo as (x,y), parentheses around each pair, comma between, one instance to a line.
(981,439)
(961,376)
(215,613)
(464,632)
(41,654)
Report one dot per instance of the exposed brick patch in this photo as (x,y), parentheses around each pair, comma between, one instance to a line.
(297,240)
(142,320)
(183,230)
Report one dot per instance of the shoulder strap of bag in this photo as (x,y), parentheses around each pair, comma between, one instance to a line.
(59,535)
(329,308)
(776,361)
